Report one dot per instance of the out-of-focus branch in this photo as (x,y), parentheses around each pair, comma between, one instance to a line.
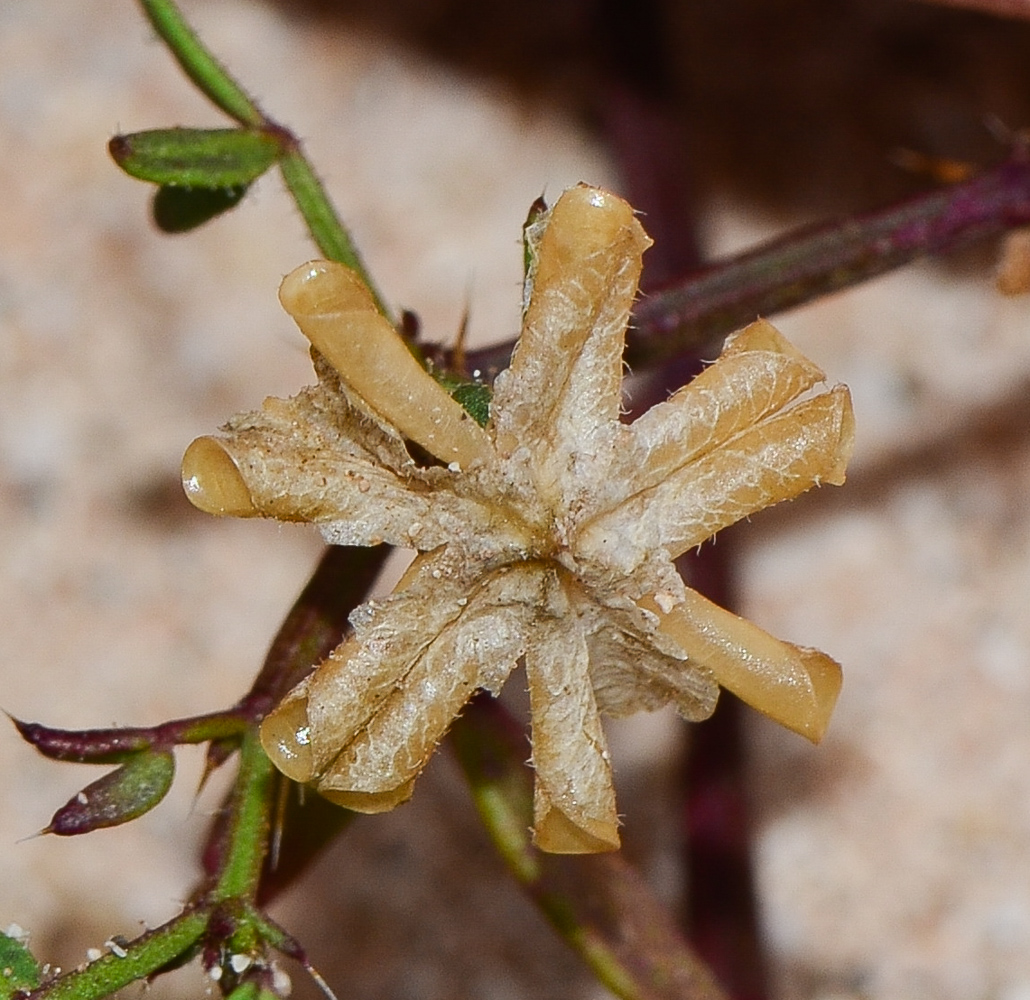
(1000,8)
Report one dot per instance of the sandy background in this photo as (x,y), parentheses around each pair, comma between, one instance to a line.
(894,861)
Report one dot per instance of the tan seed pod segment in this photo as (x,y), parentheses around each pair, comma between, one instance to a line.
(547,539)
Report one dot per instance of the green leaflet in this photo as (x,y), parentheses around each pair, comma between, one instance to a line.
(196,158)
(179,209)
(474,398)
(119,796)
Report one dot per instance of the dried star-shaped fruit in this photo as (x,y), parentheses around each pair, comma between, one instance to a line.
(549,535)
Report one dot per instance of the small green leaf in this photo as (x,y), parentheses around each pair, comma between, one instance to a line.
(179,209)
(475,398)
(19,971)
(193,157)
(118,797)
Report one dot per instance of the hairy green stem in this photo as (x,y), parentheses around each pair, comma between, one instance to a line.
(199,64)
(250,823)
(136,960)
(324,225)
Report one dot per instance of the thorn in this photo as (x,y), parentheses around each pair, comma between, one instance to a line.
(282,799)
(458,354)
(319,981)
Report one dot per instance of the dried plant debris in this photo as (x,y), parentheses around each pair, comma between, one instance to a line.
(549,535)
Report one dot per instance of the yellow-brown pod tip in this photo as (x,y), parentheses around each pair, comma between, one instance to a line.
(369,802)
(324,286)
(285,735)
(213,483)
(846,441)
(826,679)
(555,833)
(586,221)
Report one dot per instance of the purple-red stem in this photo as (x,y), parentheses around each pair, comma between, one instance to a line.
(683,317)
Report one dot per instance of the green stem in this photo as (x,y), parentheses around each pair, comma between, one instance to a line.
(249,824)
(329,234)
(213,80)
(247,828)
(247,838)
(136,960)
(199,64)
